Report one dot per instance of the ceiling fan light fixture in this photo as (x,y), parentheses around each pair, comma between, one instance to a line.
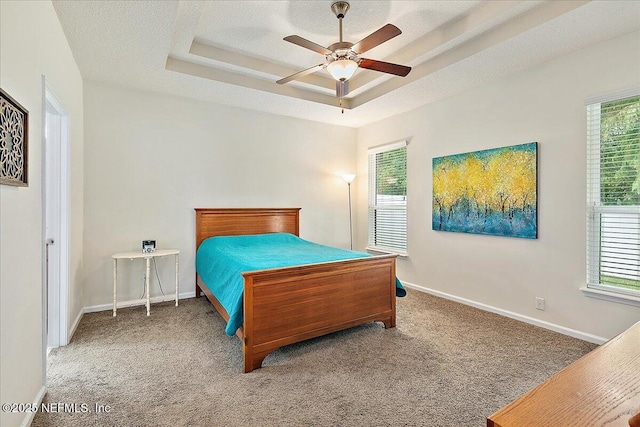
(342,69)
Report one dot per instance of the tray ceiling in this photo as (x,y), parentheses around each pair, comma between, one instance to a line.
(232,52)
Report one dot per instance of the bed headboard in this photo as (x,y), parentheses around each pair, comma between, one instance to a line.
(212,222)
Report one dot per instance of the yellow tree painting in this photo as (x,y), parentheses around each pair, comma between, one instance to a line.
(487,192)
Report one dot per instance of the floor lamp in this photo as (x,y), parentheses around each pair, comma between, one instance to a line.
(348,178)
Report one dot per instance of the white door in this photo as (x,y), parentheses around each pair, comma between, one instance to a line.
(55,212)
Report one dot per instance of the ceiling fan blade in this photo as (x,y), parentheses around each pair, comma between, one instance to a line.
(380,36)
(308,44)
(385,67)
(342,88)
(301,74)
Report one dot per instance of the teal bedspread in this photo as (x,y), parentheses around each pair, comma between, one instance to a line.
(221,260)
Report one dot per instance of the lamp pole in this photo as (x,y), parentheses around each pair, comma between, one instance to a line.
(350,220)
(348,178)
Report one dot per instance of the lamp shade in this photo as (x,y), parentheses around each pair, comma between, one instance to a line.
(348,178)
(342,69)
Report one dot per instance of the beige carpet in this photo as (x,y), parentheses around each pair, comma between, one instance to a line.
(445,364)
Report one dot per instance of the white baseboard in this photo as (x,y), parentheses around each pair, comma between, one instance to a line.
(74,326)
(28,419)
(541,323)
(136,302)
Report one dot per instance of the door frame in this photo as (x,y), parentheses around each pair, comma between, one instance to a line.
(59,251)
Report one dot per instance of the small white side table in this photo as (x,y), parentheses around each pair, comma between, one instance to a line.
(147,257)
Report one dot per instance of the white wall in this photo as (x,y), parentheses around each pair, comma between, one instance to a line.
(33,44)
(150,159)
(545,104)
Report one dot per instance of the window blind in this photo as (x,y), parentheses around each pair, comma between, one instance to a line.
(613,192)
(388,198)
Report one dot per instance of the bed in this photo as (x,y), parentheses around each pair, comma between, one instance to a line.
(285,305)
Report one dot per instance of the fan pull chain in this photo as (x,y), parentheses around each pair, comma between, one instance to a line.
(341,105)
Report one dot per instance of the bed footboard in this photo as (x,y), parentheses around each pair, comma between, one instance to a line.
(287,305)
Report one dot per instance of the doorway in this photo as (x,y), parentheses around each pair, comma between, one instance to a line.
(55,202)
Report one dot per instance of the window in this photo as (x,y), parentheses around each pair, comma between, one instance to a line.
(613,191)
(388,198)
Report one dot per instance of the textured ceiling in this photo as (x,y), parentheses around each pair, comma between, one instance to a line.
(232,52)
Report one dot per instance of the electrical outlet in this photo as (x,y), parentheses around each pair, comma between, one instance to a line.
(540,303)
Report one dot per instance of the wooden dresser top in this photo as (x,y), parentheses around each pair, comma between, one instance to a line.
(600,389)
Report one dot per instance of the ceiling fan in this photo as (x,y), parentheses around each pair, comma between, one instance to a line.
(343,58)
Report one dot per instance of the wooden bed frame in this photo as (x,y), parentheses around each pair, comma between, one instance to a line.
(286,305)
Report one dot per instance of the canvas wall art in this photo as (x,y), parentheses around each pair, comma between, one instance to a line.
(487,192)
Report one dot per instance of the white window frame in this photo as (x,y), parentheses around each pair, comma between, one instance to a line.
(373,207)
(593,287)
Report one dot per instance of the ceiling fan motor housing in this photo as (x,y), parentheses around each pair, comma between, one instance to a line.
(341,50)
